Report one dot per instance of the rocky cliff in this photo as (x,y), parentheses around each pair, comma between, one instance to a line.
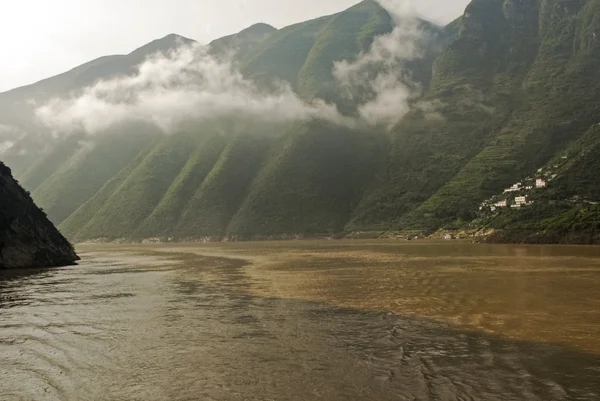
(27,237)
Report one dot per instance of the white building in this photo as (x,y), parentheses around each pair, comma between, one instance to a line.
(540,183)
(521,200)
(514,188)
(503,203)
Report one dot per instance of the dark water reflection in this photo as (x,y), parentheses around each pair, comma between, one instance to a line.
(288,322)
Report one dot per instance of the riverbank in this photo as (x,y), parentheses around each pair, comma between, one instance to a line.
(548,237)
(489,236)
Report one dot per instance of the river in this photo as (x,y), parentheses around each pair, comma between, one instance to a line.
(305,320)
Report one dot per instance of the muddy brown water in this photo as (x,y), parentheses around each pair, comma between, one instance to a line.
(305,320)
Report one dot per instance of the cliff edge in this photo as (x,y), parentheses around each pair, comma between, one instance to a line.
(27,237)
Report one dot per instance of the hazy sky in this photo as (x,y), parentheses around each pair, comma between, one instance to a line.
(41,38)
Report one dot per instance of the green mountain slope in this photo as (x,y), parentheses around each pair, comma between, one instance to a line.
(17,106)
(166,216)
(345,35)
(312,184)
(75,226)
(518,84)
(508,88)
(568,210)
(33,175)
(282,54)
(139,194)
(218,198)
(201,193)
(86,171)
(243,43)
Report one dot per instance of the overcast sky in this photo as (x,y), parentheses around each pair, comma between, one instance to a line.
(41,38)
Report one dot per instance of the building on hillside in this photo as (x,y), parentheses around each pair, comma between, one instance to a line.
(501,204)
(517,187)
(522,201)
(540,183)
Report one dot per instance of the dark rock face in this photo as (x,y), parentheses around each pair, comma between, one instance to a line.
(27,237)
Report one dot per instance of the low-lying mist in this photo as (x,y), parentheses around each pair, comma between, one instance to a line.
(186,83)
(380,74)
(8,137)
(189,83)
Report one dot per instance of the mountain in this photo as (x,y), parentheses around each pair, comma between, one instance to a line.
(568,211)
(516,87)
(17,107)
(505,90)
(27,238)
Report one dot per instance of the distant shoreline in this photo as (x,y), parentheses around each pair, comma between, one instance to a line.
(482,237)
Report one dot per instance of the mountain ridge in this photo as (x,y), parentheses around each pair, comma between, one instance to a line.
(502,90)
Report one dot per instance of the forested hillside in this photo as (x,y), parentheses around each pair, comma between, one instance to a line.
(507,89)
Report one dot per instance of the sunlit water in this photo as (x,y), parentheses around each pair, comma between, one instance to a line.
(305,321)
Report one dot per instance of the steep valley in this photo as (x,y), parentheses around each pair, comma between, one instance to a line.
(503,91)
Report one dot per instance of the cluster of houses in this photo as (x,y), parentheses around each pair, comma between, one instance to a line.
(516,203)
(507,200)
(519,186)
(518,195)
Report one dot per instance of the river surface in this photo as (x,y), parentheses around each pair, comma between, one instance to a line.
(305,320)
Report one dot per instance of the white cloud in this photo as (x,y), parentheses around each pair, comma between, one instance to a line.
(380,73)
(5,145)
(188,83)
(170,88)
(8,137)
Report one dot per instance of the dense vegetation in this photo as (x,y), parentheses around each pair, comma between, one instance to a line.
(510,87)
(568,211)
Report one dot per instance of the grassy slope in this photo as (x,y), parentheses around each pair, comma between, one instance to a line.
(75,226)
(33,176)
(345,35)
(165,218)
(518,85)
(82,175)
(562,88)
(281,55)
(213,180)
(556,217)
(141,191)
(210,210)
(427,151)
(312,183)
